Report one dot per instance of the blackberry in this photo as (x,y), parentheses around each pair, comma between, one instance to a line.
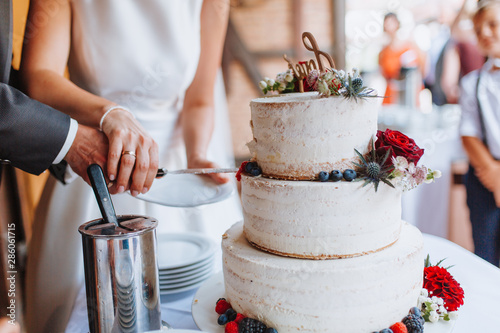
(249,325)
(413,323)
(323,176)
(271,330)
(386,330)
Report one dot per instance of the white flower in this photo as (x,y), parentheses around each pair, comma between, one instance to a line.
(421,300)
(270,82)
(442,309)
(282,86)
(400,163)
(355,72)
(440,301)
(453,315)
(424,292)
(328,76)
(434,306)
(288,76)
(433,316)
(436,174)
(262,84)
(411,168)
(341,73)
(323,88)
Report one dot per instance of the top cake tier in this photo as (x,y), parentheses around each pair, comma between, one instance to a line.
(300,134)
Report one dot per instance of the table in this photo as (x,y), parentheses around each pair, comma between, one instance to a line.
(479,279)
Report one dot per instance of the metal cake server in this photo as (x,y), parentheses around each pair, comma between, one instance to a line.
(203,171)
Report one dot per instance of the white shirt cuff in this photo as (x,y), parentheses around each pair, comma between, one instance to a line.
(73,128)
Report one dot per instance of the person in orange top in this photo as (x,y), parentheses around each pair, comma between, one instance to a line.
(397,55)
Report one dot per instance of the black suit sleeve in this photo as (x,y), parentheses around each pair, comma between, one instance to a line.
(31,133)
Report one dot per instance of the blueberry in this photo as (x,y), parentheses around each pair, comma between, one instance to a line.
(271,330)
(415,311)
(386,330)
(256,171)
(336,175)
(230,314)
(323,176)
(349,175)
(222,320)
(249,166)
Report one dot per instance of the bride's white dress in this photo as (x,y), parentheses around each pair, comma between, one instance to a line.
(142,55)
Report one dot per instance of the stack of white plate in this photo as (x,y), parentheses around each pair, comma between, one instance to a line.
(185,261)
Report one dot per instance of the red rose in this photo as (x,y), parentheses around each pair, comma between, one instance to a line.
(439,282)
(400,145)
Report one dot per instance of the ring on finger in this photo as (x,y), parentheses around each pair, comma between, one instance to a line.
(129,152)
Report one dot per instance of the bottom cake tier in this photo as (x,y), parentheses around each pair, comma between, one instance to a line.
(361,294)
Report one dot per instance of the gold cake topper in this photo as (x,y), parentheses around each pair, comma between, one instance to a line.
(302,68)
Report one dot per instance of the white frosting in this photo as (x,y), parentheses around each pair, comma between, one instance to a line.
(361,294)
(298,135)
(316,219)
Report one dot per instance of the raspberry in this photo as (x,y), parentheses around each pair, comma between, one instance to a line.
(413,323)
(249,325)
(221,306)
(399,328)
(239,317)
(231,327)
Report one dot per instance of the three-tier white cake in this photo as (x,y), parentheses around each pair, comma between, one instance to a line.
(316,256)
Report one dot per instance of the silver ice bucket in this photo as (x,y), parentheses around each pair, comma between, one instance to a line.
(121,275)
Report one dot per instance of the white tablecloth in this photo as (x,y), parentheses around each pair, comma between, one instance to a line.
(479,279)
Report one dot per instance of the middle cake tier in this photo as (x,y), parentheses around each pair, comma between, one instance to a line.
(316,220)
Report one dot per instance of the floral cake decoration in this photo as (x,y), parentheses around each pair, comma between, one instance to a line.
(393,159)
(312,75)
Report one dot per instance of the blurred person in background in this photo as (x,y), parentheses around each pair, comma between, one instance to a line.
(479,129)
(460,56)
(396,58)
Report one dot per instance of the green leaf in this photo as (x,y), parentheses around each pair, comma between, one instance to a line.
(387,153)
(427,262)
(386,181)
(440,261)
(361,157)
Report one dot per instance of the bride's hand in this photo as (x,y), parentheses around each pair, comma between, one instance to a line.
(201,163)
(133,154)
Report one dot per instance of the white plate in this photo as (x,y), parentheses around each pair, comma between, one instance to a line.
(170,330)
(186,190)
(205,317)
(188,269)
(183,250)
(180,290)
(178,285)
(203,307)
(188,277)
